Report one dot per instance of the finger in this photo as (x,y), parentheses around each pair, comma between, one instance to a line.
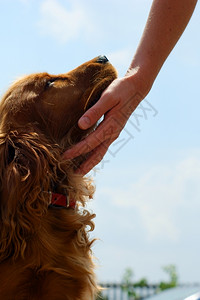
(91,116)
(87,145)
(108,129)
(78,149)
(94,158)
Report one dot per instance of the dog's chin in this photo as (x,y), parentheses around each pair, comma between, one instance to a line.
(93,100)
(80,134)
(96,93)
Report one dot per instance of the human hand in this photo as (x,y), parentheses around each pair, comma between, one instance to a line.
(117,103)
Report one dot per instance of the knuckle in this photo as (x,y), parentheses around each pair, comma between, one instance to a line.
(95,113)
(94,142)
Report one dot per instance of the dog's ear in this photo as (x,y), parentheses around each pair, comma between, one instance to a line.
(26,165)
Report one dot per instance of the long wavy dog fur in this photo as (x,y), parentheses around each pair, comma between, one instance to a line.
(45,250)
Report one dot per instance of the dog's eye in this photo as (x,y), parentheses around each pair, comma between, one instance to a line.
(50,83)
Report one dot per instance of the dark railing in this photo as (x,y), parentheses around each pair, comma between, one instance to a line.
(131,292)
(124,292)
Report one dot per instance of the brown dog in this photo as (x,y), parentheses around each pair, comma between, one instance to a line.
(45,251)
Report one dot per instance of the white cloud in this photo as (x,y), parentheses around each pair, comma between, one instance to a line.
(148,217)
(164,198)
(61,22)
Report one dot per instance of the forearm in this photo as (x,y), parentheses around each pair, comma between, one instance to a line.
(165,24)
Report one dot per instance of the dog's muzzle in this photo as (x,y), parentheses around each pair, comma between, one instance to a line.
(102,59)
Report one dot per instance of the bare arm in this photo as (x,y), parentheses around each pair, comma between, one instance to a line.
(165,24)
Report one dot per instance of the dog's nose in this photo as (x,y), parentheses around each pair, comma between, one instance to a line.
(102,59)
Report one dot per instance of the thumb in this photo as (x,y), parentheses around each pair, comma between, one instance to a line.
(91,116)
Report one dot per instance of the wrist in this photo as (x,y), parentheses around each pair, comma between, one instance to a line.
(143,74)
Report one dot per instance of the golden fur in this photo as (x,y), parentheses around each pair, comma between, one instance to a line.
(45,251)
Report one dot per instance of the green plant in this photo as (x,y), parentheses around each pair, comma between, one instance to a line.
(127,284)
(173,278)
(141,283)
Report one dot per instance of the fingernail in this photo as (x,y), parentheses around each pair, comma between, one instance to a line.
(84,122)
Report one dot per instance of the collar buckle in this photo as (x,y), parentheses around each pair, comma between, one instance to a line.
(57,199)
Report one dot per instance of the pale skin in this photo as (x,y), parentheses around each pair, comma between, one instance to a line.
(165,24)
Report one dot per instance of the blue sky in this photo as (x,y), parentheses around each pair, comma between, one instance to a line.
(147,188)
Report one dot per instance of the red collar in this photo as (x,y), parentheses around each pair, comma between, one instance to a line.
(62,200)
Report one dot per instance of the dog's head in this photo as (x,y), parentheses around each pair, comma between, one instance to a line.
(52,104)
(38,121)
